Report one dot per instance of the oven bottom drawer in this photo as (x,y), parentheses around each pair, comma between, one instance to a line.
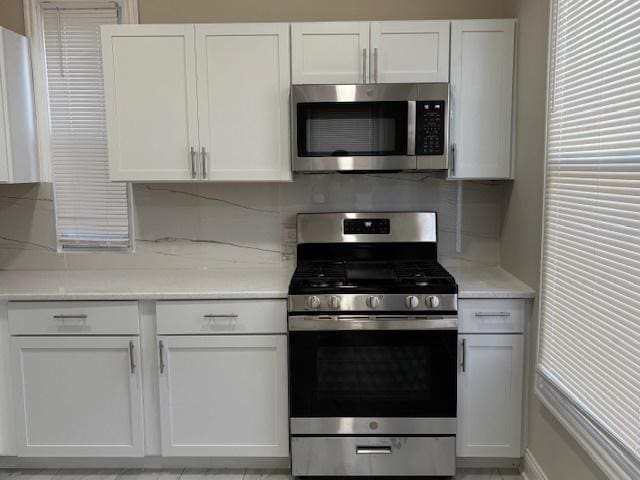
(394,456)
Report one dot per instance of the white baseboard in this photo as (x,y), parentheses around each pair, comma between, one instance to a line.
(145,462)
(531,469)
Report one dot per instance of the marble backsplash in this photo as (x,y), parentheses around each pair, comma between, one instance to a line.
(187,226)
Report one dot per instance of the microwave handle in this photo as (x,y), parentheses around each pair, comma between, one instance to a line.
(411,128)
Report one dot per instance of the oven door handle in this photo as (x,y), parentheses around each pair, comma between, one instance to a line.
(372,322)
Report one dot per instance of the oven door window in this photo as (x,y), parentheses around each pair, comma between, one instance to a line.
(373,374)
(348,129)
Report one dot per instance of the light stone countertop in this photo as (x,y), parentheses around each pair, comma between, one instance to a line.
(488,282)
(264,282)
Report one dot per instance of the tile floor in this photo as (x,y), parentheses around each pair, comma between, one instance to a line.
(205,474)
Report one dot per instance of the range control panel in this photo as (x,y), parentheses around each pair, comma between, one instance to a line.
(430,118)
(375,226)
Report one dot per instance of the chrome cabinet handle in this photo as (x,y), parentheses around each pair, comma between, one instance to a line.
(411,127)
(375,65)
(463,362)
(193,162)
(230,315)
(203,152)
(132,363)
(493,314)
(373,450)
(364,65)
(81,316)
(161,354)
(453,159)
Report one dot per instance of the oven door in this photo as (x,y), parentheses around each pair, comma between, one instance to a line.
(387,381)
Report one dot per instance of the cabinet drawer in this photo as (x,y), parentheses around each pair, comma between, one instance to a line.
(221,316)
(373,456)
(491,315)
(74,318)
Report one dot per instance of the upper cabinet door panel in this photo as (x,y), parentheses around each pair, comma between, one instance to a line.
(243,100)
(330,52)
(406,52)
(150,89)
(482,59)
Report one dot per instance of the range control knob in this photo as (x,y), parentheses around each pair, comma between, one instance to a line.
(334,302)
(412,302)
(432,301)
(373,302)
(313,301)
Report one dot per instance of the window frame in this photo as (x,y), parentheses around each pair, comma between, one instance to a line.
(603,448)
(34,31)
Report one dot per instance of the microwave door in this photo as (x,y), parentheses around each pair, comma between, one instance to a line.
(353,136)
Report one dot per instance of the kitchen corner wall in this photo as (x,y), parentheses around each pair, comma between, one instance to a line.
(187,226)
(557,453)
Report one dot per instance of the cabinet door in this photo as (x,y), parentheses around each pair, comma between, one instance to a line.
(150,92)
(330,52)
(490,396)
(482,59)
(77,396)
(243,101)
(224,395)
(410,52)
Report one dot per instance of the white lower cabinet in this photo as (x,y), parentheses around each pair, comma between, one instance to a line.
(77,396)
(224,395)
(490,383)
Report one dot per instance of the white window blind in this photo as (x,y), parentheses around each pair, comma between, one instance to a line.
(90,210)
(590,298)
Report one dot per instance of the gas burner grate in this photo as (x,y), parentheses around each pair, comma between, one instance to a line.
(419,270)
(321,270)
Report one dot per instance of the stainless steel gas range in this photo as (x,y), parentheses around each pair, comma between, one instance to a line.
(373,347)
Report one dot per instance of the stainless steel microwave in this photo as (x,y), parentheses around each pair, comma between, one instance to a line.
(362,128)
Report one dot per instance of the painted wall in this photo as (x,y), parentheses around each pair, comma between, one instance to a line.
(559,455)
(204,11)
(12,15)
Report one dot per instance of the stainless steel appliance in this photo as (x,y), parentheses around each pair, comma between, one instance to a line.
(373,347)
(391,127)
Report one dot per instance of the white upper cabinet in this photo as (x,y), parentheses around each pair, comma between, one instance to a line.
(482,60)
(226,119)
(370,52)
(410,52)
(243,101)
(329,52)
(150,91)
(18,138)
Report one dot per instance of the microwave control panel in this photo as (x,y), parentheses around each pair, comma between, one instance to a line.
(430,118)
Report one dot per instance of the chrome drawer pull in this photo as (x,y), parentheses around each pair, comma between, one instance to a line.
(81,316)
(364,65)
(211,315)
(463,362)
(493,314)
(161,355)
(193,162)
(131,360)
(375,450)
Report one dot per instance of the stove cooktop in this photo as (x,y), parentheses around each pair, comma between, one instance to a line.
(341,277)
